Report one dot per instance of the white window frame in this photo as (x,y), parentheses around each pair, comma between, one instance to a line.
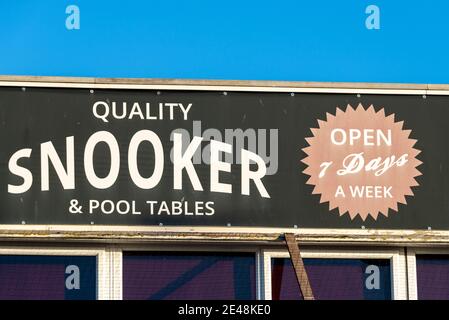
(396,257)
(103,290)
(411,266)
(110,261)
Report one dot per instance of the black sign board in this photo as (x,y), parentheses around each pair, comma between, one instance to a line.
(209,158)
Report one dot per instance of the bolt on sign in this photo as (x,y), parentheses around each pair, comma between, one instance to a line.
(203,158)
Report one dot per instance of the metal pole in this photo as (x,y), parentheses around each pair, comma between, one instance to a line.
(298,265)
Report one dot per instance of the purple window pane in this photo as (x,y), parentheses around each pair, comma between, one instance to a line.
(331,279)
(432,273)
(174,276)
(44,277)
(36,282)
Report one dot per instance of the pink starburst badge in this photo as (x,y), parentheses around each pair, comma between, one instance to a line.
(362,162)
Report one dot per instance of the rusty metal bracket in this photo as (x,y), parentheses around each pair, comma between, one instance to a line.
(298,265)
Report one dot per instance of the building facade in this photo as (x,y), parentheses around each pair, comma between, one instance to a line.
(177,189)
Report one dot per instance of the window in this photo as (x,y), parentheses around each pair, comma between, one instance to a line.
(358,279)
(199,272)
(184,275)
(429,271)
(40,277)
(337,273)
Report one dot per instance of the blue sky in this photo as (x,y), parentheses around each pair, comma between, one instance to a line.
(319,40)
